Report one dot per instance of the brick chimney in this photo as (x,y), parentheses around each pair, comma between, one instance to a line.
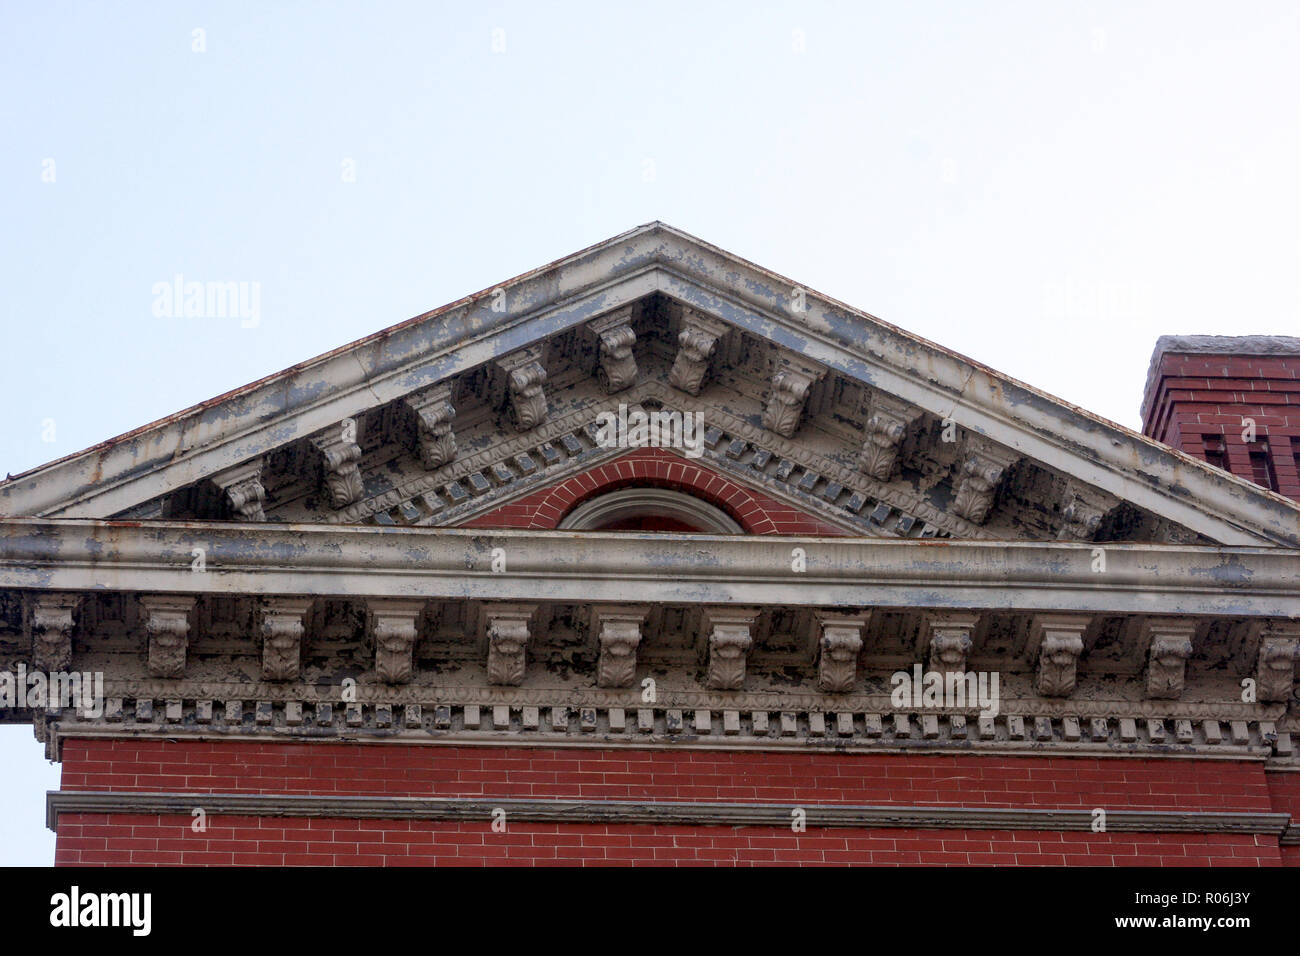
(1231,400)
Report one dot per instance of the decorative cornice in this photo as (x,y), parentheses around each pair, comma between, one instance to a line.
(788,392)
(394,625)
(729,640)
(525,387)
(242,487)
(1279,646)
(435,442)
(282,559)
(851,480)
(563,446)
(484,695)
(976,478)
(886,429)
(167,626)
(696,343)
(255,420)
(616,365)
(507,639)
(838,649)
(339,454)
(1082,512)
(562,723)
(1170,645)
(950,641)
(1058,640)
(283,626)
(618,633)
(434,486)
(564,438)
(51,626)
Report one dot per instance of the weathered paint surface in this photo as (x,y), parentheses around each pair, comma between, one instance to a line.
(595,566)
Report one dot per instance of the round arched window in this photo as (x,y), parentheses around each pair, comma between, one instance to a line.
(649,509)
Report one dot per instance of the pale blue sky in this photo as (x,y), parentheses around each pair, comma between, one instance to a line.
(1045,187)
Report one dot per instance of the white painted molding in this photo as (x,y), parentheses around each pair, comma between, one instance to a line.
(286,559)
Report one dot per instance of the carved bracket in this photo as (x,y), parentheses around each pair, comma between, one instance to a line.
(52,630)
(886,429)
(791,385)
(618,630)
(283,625)
(1279,646)
(1169,532)
(242,488)
(435,442)
(730,640)
(1082,511)
(976,479)
(339,456)
(1060,643)
(617,369)
(394,624)
(167,624)
(1170,647)
(525,387)
(950,642)
(695,345)
(840,644)
(507,636)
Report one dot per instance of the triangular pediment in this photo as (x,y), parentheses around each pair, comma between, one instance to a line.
(445,417)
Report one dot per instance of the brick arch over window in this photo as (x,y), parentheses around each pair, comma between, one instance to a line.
(754,511)
(688,479)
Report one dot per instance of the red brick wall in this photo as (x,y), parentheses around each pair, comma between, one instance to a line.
(1200,394)
(1284,791)
(753,510)
(790,779)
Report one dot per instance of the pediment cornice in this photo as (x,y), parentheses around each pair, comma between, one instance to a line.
(318,395)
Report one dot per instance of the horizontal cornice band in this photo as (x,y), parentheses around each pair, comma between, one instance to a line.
(630,812)
(500,739)
(342,561)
